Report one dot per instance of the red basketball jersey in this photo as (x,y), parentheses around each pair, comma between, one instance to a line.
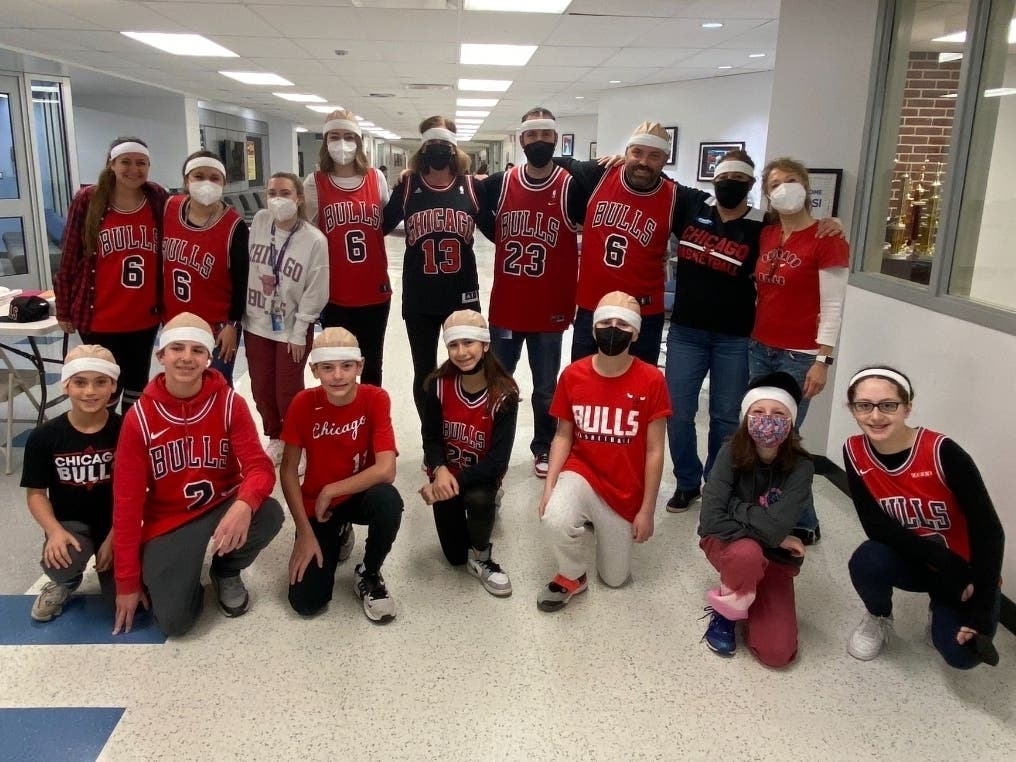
(351,221)
(126,272)
(915,494)
(195,264)
(466,426)
(624,241)
(536,258)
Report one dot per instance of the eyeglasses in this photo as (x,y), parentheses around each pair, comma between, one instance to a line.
(885,406)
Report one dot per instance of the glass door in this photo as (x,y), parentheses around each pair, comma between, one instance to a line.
(18,256)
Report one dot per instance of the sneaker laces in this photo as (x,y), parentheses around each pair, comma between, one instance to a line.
(491,566)
(374,586)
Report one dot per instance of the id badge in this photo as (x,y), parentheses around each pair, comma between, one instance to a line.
(276,315)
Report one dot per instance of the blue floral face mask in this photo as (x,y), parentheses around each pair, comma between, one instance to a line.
(769,430)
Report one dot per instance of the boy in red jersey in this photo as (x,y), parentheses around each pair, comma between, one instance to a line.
(345,428)
(606,459)
(190,468)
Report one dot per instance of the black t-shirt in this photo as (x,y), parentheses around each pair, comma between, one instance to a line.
(76,469)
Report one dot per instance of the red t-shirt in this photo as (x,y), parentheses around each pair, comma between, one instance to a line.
(126,272)
(351,221)
(466,426)
(611,417)
(624,241)
(537,256)
(339,440)
(195,264)
(786,279)
(915,495)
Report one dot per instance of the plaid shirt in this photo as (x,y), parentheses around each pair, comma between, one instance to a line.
(75,280)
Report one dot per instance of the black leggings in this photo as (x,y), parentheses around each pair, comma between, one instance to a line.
(133,353)
(424,332)
(466,521)
(368,325)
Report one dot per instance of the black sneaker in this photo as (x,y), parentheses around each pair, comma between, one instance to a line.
(682,500)
(370,588)
(806,536)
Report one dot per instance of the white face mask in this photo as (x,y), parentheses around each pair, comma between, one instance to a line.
(204,191)
(282,209)
(788,198)
(342,151)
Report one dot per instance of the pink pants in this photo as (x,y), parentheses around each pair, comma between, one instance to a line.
(771,627)
(274,378)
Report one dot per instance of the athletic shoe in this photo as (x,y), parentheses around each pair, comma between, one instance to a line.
(807,536)
(559,591)
(869,636)
(719,635)
(370,588)
(51,599)
(682,500)
(232,594)
(493,577)
(274,450)
(346,543)
(541,466)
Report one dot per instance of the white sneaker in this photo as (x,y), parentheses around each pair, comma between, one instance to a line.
(493,577)
(370,588)
(869,636)
(50,601)
(274,451)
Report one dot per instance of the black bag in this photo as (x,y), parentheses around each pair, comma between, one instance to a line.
(29,309)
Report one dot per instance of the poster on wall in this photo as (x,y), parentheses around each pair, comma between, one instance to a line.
(252,161)
(710,155)
(825,191)
(568,144)
(672,135)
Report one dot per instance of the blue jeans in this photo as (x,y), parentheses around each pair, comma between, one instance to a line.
(646,347)
(875,569)
(544,350)
(691,353)
(764,359)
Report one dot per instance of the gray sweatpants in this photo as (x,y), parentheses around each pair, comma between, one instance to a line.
(572,507)
(171,563)
(90,543)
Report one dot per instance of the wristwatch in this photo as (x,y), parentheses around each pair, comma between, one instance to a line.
(824,359)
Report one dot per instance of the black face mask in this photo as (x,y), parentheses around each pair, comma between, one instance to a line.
(539,154)
(730,193)
(612,340)
(478,368)
(438,157)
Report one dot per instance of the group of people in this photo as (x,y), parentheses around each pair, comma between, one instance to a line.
(757,307)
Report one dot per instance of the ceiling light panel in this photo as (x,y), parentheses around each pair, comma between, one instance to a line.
(463,112)
(325,109)
(518,6)
(485,85)
(300,97)
(496,55)
(477,102)
(182,44)
(257,78)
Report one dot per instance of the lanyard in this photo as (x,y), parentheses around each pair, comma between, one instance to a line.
(277,258)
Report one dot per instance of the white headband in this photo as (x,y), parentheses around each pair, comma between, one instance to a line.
(81,364)
(185,333)
(769,393)
(204,161)
(342,124)
(129,147)
(440,133)
(650,141)
(882,373)
(631,317)
(539,124)
(471,332)
(339,354)
(732,165)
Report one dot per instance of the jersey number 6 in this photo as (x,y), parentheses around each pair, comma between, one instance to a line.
(132,272)
(616,248)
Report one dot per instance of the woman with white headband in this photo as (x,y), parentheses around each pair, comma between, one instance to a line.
(759,487)
(68,478)
(468,431)
(439,204)
(346,198)
(930,523)
(205,259)
(801,280)
(108,281)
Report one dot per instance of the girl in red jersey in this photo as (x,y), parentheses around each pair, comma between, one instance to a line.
(346,198)
(204,257)
(756,493)
(930,523)
(109,272)
(468,432)
(190,469)
(344,430)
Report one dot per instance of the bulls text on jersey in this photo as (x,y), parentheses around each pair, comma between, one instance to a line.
(600,423)
(622,217)
(468,435)
(126,238)
(523,222)
(914,513)
(86,468)
(348,213)
(183,453)
(176,250)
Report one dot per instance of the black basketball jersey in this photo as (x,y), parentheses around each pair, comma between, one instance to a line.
(439,270)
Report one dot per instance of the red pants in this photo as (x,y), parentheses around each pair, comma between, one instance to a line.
(771,627)
(274,378)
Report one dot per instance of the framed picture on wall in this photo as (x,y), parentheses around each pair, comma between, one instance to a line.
(568,144)
(672,132)
(592,150)
(825,191)
(710,155)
